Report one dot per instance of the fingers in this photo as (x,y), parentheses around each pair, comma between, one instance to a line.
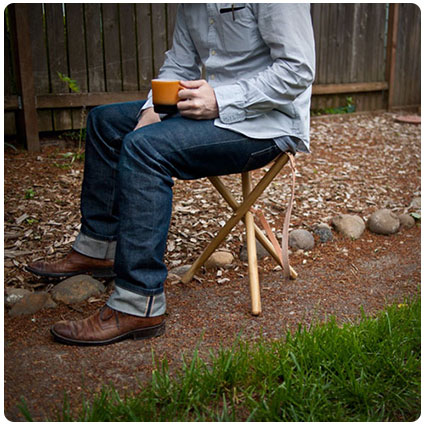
(194,84)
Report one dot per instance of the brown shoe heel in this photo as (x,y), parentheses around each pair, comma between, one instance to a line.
(153,331)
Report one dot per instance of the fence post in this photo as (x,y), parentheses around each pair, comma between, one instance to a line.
(27,126)
(391,51)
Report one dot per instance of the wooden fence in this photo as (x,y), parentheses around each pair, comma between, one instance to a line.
(370,52)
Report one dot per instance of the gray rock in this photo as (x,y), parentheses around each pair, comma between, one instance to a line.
(13,295)
(219,259)
(261,252)
(406,221)
(383,222)
(301,239)
(351,226)
(32,303)
(324,232)
(415,204)
(180,270)
(77,289)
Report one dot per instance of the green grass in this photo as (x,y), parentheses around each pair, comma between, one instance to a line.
(368,371)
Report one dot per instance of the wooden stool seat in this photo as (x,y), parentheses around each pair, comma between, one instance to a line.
(242,212)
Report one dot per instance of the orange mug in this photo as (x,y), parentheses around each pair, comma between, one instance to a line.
(165,96)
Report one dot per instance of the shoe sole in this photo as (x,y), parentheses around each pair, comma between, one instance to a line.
(145,333)
(105,274)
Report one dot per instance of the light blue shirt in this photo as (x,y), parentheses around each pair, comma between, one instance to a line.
(258,57)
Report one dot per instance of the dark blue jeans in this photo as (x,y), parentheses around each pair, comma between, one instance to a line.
(127,187)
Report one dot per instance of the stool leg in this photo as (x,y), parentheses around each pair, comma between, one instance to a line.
(254,281)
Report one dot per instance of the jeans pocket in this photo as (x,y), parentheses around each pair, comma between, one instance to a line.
(261,158)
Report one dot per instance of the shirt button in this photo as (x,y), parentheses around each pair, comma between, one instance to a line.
(213,52)
(211,21)
(212,77)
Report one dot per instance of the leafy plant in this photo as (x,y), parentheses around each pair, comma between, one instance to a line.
(72,84)
(347,109)
(79,155)
(29,193)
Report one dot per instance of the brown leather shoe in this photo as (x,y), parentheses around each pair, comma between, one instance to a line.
(106,327)
(74,263)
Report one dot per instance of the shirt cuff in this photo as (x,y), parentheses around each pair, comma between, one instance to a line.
(230,101)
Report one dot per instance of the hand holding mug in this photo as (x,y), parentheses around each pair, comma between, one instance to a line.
(197,100)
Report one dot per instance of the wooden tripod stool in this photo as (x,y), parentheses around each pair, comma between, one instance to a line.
(241,212)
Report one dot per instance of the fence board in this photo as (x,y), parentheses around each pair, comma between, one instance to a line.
(111,36)
(128,47)
(40,62)
(160,35)
(144,44)
(407,73)
(171,20)
(96,76)
(76,51)
(58,61)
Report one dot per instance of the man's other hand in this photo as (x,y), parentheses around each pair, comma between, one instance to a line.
(149,116)
(197,100)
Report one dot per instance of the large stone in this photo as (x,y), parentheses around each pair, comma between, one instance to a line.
(32,303)
(406,221)
(77,289)
(261,251)
(324,232)
(348,225)
(13,295)
(180,270)
(383,222)
(219,259)
(301,239)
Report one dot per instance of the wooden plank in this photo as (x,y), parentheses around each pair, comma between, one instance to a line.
(76,44)
(96,76)
(159,35)
(128,46)
(9,124)
(76,36)
(171,21)
(58,61)
(27,116)
(323,37)
(111,36)
(331,63)
(11,102)
(73,100)
(391,51)
(410,59)
(40,61)
(9,78)
(144,44)
(349,87)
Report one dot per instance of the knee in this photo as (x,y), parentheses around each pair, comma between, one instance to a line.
(97,115)
(135,144)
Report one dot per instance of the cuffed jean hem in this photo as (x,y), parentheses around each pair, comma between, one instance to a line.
(136,304)
(86,245)
(138,289)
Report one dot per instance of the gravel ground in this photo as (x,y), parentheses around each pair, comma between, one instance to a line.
(359,163)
